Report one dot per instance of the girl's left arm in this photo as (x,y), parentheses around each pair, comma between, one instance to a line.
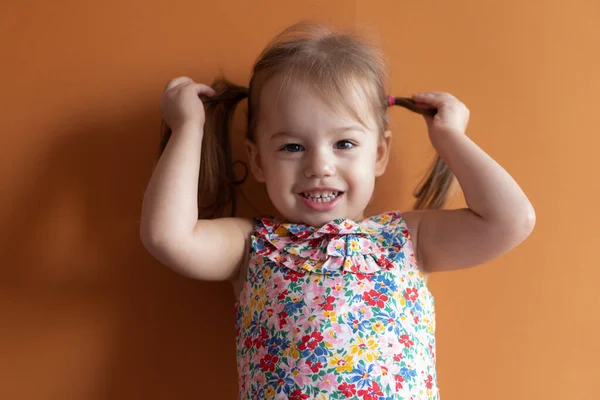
(499,215)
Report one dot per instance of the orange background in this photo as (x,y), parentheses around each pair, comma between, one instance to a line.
(87,313)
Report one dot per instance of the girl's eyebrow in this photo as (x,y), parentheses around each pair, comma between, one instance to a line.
(336,130)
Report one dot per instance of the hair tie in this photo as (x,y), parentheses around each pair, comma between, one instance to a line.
(391,100)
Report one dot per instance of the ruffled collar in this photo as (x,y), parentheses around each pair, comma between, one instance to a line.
(340,246)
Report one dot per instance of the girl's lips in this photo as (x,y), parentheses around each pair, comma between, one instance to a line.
(320,205)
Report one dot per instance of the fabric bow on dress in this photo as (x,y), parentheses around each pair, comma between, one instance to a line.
(340,246)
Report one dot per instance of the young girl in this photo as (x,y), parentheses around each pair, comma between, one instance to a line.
(330,303)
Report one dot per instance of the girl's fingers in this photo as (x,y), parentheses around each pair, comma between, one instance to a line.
(204,89)
(436,99)
(178,81)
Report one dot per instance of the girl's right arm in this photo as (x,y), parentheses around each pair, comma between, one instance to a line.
(170,229)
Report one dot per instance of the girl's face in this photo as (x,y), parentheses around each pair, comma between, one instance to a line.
(317,164)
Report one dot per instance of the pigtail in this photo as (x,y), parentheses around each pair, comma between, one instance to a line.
(433,191)
(217,182)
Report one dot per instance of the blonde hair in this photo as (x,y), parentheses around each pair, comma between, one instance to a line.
(342,68)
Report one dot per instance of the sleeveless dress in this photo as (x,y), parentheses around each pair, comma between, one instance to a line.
(336,312)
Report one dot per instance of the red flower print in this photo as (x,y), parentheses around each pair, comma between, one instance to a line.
(282,295)
(332,229)
(298,395)
(411,294)
(314,243)
(259,343)
(328,304)
(268,362)
(428,381)
(264,231)
(399,380)
(248,343)
(311,341)
(314,367)
(265,251)
(387,264)
(347,390)
(405,340)
(282,319)
(263,333)
(374,298)
(292,275)
(360,276)
(371,393)
(397,357)
(303,234)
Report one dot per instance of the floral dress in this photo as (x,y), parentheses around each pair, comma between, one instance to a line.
(336,312)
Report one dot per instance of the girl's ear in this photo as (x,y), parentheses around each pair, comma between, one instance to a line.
(255,163)
(383,153)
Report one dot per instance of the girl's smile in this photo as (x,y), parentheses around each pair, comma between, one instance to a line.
(321,199)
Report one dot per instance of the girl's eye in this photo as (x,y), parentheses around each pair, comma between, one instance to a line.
(292,148)
(344,145)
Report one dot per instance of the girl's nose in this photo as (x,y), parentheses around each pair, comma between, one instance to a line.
(319,164)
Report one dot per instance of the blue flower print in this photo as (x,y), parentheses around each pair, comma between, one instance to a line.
(362,375)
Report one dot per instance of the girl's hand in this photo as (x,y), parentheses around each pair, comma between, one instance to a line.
(180,103)
(452,115)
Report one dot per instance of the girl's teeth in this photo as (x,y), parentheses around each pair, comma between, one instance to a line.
(322,197)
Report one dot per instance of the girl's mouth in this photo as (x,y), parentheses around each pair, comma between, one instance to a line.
(320,200)
(321,197)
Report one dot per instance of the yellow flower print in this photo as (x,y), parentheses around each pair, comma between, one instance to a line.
(246,320)
(354,245)
(372,353)
(383,218)
(295,297)
(331,315)
(270,392)
(365,347)
(430,325)
(258,298)
(378,327)
(267,273)
(316,278)
(342,363)
(292,351)
(281,231)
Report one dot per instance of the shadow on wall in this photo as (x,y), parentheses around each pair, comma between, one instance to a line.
(92,315)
